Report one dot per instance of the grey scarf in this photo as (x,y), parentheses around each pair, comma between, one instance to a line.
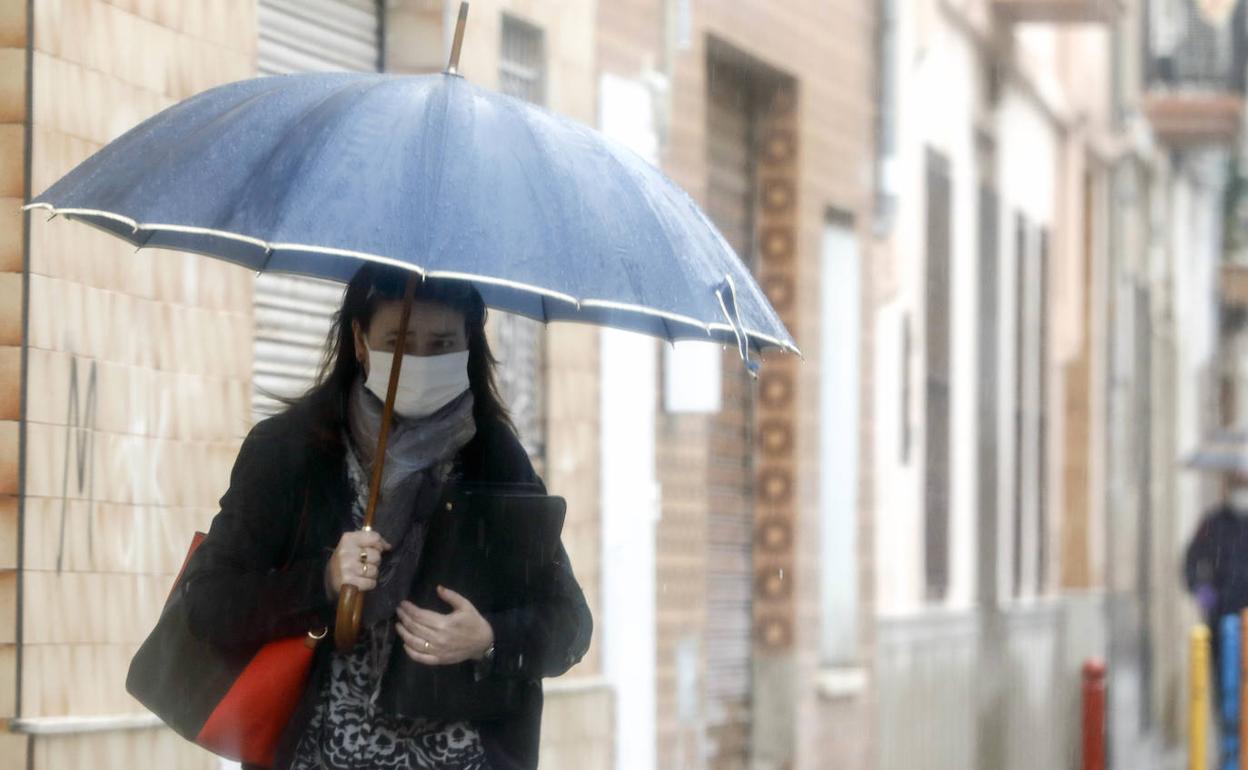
(419,455)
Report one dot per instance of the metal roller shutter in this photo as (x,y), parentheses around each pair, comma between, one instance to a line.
(293,314)
(730,203)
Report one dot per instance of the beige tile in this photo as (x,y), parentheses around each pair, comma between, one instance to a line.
(11,230)
(13,24)
(90,608)
(214,23)
(129,6)
(194,68)
(109,537)
(13,747)
(86,40)
(51,26)
(8,607)
(39,334)
(157,747)
(141,51)
(8,680)
(149,9)
(12,160)
(55,315)
(9,457)
(8,532)
(168,14)
(10,382)
(243,24)
(192,18)
(12,85)
(48,384)
(75,680)
(86,103)
(45,455)
(55,153)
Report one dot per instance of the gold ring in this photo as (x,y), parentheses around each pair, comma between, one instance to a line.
(363,556)
(366,566)
(426,644)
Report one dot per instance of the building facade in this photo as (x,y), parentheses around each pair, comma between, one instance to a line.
(729,579)
(1046,355)
(995,228)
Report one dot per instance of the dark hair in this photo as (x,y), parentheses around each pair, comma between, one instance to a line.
(372,285)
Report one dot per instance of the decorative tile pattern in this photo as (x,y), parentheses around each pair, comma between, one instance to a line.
(776,414)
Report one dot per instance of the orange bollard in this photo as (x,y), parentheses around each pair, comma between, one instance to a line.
(1243,692)
(1094,714)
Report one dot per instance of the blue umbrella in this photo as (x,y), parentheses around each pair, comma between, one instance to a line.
(315,174)
(1226,451)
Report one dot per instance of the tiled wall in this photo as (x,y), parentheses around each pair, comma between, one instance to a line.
(138,375)
(804,41)
(13,93)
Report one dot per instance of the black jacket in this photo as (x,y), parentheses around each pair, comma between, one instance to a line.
(1217,556)
(261,572)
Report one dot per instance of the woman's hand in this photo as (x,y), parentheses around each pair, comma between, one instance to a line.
(436,639)
(355,562)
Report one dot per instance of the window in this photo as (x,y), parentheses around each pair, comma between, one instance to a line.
(1020,390)
(838,386)
(937,384)
(907,350)
(1041,409)
(1030,455)
(886,115)
(987,464)
(522,67)
(518,342)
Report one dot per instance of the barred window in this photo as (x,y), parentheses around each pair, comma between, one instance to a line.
(522,66)
(518,342)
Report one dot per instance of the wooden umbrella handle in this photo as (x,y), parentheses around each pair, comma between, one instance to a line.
(351,600)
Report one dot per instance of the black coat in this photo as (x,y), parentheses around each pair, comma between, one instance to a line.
(261,573)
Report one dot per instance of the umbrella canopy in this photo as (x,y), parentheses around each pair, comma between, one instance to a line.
(1224,452)
(314,174)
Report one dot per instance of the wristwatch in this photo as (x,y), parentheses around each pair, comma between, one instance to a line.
(483,667)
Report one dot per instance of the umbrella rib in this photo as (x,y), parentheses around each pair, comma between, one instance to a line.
(91,218)
(640,190)
(667,235)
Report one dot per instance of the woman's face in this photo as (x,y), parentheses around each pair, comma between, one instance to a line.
(434,329)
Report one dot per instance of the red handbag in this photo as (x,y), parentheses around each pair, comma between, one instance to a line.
(234,704)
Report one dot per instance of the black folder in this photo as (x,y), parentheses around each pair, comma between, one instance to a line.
(497,546)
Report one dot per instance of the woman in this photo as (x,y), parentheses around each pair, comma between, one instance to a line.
(287,539)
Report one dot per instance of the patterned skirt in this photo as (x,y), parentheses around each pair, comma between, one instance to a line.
(347,732)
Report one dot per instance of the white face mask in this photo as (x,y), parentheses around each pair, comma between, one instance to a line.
(426,383)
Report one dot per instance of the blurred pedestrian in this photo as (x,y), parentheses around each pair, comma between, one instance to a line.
(297,497)
(1215,566)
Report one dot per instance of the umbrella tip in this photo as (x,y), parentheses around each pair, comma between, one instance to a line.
(452,67)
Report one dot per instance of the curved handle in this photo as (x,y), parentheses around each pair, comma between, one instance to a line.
(347,624)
